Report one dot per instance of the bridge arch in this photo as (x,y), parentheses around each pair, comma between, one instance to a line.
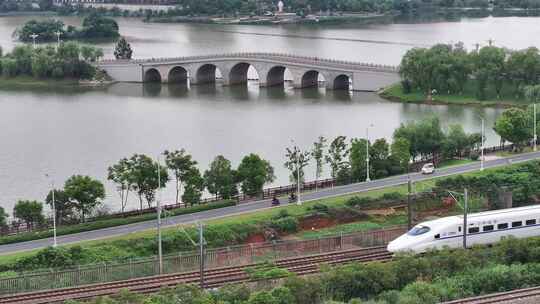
(178,74)
(239,73)
(341,82)
(152,75)
(206,73)
(276,76)
(311,79)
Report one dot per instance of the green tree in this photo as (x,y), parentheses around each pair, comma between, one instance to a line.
(513,126)
(31,212)
(90,53)
(425,137)
(45,30)
(219,178)
(194,187)
(318,155)
(523,67)
(145,179)
(378,158)
(121,174)
(457,142)
(358,159)
(85,192)
(262,297)
(490,66)
(297,160)
(337,154)
(283,295)
(62,204)
(96,26)
(22,54)
(253,173)
(123,49)
(401,152)
(3,217)
(180,163)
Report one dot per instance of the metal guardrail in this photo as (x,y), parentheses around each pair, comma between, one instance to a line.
(286,58)
(189,261)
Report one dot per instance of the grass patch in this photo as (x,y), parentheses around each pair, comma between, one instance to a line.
(454,162)
(27,81)
(107,223)
(376,223)
(508,98)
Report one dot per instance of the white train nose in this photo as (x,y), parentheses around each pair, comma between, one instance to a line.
(394,246)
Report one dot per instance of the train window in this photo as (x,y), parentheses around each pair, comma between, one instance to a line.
(418,230)
(530,222)
(459,229)
(517,224)
(502,226)
(487,228)
(474,229)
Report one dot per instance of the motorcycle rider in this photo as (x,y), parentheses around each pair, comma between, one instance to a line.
(292,197)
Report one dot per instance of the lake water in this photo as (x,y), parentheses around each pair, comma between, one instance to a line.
(65,131)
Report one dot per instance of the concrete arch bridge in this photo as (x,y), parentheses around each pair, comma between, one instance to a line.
(233,69)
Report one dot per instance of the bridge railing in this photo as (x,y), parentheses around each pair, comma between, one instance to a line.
(262,55)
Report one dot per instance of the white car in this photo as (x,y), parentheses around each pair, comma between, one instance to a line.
(428,168)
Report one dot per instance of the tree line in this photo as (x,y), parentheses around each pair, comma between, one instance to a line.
(142,176)
(447,69)
(67,60)
(93,26)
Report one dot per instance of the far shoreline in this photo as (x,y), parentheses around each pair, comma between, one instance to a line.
(393,93)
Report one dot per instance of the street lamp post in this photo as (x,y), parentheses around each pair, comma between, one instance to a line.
(34,36)
(58,33)
(482,147)
(367,153)
(53,211)
(158,203)
(534,126)
(297,151)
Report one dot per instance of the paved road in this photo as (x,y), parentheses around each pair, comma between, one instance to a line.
(259,205)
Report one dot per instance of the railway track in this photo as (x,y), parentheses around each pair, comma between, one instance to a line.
(501,297)
(213,278)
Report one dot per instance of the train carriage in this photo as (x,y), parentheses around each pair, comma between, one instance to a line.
(482,228)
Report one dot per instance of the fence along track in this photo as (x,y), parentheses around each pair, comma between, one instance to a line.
(214,278)
(188,262)
(501,297)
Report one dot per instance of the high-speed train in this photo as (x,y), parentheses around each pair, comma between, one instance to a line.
(482,228)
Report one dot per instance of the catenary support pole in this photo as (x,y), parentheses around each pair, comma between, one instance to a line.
(465,207)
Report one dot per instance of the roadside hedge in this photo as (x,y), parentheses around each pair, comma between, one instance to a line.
(107,223)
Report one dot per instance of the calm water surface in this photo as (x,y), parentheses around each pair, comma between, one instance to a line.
(65,131)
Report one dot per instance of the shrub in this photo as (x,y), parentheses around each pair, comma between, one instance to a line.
(286,224)
(393,196)
(358,201)
(319,208)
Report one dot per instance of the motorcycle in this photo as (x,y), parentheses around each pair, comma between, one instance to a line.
(275,201)
(292,198)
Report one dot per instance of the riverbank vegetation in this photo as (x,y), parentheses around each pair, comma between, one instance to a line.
(66,61)
(431,278)
(272,224)
(451,74)
(93,27)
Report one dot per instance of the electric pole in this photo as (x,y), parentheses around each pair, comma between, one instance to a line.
(465,207)
(409,204)
(201,248)
(160,247)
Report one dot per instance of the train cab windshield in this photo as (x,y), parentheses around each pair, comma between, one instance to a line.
(418,230)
